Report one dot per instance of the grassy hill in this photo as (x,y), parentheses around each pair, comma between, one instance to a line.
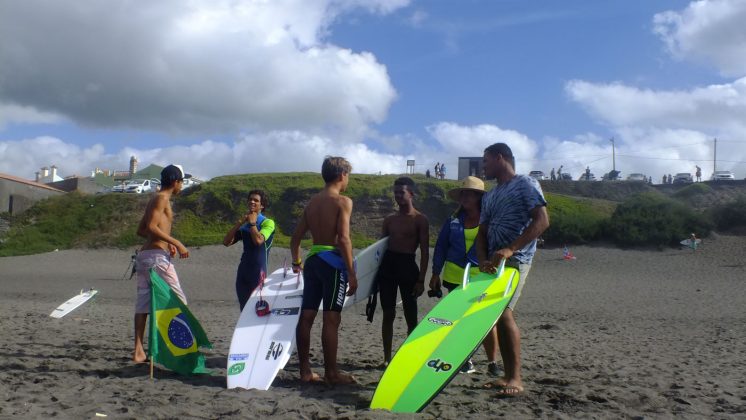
(579,212)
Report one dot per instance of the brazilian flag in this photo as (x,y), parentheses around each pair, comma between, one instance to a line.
(175,334)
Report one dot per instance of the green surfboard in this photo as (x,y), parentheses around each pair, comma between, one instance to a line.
(433,353)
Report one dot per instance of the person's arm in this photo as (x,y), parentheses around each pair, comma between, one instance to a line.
(257,238)
(233,234)
(300,231)
(344,243)
(441,247)
(267,229)
(485,265)
(154,216)
(423,229)
(539,223)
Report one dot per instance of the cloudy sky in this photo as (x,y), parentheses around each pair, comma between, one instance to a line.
(229,86)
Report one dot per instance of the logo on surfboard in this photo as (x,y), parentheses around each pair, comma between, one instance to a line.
(236,368)
(275,350)
(286,311)
(440,321)
(439,366)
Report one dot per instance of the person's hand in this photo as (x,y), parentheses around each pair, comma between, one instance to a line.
(183,252)
(486,266)
(435,282)
(501,254)
(419,287)
(297,268)
(351,283)
(171,250)
(251,217)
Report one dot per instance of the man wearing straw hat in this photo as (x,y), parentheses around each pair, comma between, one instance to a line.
(513,216)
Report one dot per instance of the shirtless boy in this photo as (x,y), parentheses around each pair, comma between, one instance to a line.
(328,270)
(407,229)
(160,246)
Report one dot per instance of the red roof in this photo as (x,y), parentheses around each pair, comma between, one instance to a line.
(27,182)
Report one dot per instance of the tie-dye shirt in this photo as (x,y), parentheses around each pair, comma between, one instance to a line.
(506,211)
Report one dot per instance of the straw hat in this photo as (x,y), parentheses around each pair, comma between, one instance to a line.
(470,183)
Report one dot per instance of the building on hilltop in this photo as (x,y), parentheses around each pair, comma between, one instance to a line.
(18,194)
(48,175)
(470,166)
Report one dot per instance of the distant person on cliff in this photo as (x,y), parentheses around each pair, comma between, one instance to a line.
(551,175)
(256,232)
(698,173)
(158,250)
(408,230)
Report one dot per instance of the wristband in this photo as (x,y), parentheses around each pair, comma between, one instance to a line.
(297,263)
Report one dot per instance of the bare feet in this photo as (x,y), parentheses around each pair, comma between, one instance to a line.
(312,378)
(509,391)
(340,379)
(496,384)
(139,357)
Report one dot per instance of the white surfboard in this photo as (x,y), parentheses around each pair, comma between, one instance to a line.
(261,346)
(366,267)
(690,244)
(73,303)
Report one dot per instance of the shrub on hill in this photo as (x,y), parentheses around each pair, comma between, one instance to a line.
(730,215)
(573,220)
(653,219)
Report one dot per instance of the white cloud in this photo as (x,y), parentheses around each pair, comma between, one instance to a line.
(16,114)
(196,67)
(279,151)
(468,141)
(711,108)
(708,31)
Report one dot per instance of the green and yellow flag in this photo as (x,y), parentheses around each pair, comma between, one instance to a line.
(175,334)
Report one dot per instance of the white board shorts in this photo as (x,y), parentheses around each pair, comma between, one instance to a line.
(523,269)
(159,260)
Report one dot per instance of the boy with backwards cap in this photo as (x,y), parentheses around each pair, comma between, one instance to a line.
(158,250)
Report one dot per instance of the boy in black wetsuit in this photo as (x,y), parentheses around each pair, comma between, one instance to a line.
(407,229)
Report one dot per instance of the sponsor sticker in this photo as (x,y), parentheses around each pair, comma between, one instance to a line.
(275,350)
(236,368)
(440,321)
(286,311)
(237,357)
(439,365)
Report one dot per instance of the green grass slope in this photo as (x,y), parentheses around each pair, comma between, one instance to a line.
(205,213)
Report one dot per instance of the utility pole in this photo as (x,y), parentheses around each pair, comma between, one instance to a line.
(715,155)
(613,154)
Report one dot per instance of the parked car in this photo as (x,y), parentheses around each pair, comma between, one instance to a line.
(139,186)
(564,176)
(190,182)
(121,187)
(589,177)
(537,175)
(612,176)
(723,176)
(636,177)
(683,178)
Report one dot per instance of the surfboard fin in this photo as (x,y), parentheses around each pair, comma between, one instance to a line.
(370,307)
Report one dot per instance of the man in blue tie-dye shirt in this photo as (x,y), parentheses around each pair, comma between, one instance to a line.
(513,215)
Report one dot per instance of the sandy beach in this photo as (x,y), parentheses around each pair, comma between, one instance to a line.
(613,334)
